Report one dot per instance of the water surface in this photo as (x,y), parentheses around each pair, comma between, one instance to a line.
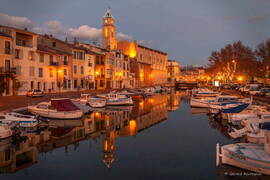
(159,138)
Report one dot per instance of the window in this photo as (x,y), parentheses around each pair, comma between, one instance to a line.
(89,63)
(51,73)
(31,71)
(65,60)
(82,84)
(79,55)
(51,58)
(7,47)
(41,58)
(17,53)
(109,72)
(18,70)
(102,83)
(40,72)
(20,42)
(75,69)
(7,65)
(31,56)
(75,83)
(53,44)
(65,72)
(82,70)
(69,84)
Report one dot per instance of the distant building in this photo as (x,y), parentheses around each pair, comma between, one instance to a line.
(174,71)
(148,65)
(33,61)
(192,73)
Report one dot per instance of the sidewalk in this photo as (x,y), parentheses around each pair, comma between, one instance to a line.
(8,103)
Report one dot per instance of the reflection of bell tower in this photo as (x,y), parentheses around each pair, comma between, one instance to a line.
(108,40)
(108,148)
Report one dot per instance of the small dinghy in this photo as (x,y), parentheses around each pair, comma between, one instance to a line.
(62,108)
(97,102)
(21,119)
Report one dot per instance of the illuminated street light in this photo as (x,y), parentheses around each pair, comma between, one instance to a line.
(240,78)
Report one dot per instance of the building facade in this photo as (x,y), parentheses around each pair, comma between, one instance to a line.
(33,61)
(174,71)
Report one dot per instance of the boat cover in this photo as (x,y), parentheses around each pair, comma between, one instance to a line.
(63,105)
(236,109)
(265,125)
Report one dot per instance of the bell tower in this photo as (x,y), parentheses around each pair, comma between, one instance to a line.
(108,35)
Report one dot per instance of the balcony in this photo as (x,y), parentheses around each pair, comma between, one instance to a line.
(24,40)
(4,70)
(54,63)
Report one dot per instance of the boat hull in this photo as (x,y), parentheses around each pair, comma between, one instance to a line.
(56,114)
(244,162)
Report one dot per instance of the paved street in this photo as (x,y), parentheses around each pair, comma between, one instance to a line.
(8,103)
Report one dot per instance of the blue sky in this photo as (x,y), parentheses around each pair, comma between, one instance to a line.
(187,29)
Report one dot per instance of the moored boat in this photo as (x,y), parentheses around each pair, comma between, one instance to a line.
(62,108)
(115,99)
(21,119)
(97,102)
(250,156)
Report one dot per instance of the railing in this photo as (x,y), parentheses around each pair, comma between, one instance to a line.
(4,70)
(54,63)
(100,76)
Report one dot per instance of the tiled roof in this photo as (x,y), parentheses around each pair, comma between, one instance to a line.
(52,51)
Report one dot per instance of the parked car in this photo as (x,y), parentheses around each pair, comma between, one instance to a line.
(254,91)
(34,93)
(250,87)
(226,86)
(264,91)
(235,86)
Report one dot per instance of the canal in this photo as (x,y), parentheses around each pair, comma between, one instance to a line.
(161,137)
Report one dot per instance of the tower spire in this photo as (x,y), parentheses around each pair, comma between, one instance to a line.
(108,40)
(108,13)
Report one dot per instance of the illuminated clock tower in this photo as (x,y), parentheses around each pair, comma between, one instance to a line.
(108,39)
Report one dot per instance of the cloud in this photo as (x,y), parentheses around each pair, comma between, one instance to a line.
(85,32)
(58,29)
(145,43)
(258,18)
(15,21)
(122,36)
(55,27)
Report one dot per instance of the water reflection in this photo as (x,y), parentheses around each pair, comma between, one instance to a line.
(108,124)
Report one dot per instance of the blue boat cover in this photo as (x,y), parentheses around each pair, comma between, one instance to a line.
(265,125)
(236,109)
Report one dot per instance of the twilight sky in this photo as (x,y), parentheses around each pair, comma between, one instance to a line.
(187,29)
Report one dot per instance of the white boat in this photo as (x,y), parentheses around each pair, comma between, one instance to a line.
(250,112)
(85,98)
(226,102)
(115,99)
(201,102)
(149,91)
(61,108)
(204,92)
(5,131)
(97,102)
(21,119)
(250,156)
